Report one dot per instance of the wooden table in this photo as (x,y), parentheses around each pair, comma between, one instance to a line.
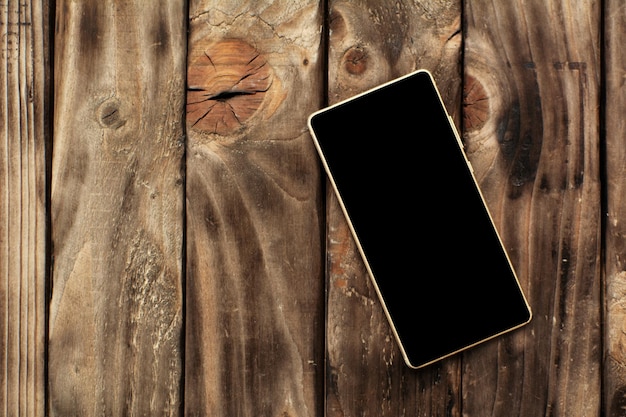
(168,244)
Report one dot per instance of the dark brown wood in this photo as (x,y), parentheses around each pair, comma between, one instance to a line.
(117,209)
(255,298)
(534,141)
(370,43)
(615,267)
(243,331)
(24,135)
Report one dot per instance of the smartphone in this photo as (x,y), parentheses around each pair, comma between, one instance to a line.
(420,222)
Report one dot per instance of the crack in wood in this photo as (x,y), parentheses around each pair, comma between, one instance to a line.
(227,85)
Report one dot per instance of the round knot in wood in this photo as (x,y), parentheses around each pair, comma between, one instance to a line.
(475,104)
(226,85)
(109,114)
(355,60)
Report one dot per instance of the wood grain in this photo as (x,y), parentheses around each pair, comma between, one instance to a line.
(117,209)
(371,43)
(255,304)
(615,275)
(534,142)
(144,309)
(24,136)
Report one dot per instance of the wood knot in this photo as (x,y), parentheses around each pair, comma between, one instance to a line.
(108,114)
(475,104)
(355,60)
(226,85)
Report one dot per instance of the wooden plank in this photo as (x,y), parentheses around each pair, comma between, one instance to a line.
(24,87)
(255,297)
(615,275)
(370,43)
(532,132)
(117,208)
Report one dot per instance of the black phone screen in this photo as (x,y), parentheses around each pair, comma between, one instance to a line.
(417,215)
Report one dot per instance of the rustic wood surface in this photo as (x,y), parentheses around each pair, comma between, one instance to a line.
(169,245)
(255,284)
(537,155)
(615,229)
(117,209)
(24,88)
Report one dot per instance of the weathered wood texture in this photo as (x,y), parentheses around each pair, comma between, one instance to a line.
(117,208)
(532,72)
(24,82)
(615,230)
(372,42)
(248,280)
(255,288)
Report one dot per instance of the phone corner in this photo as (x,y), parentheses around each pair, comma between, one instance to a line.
(530,315)
(411,365)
